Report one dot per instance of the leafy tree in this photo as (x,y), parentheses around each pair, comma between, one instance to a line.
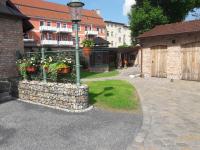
(144,16)
(148,13)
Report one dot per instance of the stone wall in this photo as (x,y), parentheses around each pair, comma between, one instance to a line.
(173,43)
(11,40)
(60,95)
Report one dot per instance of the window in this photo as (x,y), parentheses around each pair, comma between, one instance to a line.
(111,43)
(64,25)
(48,23)
(98,29)
(49,36)
(108,33)
(120,39)
(79,27)
(86,28)
(42,23)
(58,24)
(112,33)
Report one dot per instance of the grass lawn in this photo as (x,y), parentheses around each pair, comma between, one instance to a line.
(87,74)
(113,94)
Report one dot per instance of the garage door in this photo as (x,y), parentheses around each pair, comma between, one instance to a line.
(159,61)
(191,61)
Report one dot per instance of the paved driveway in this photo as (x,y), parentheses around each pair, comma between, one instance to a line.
(171,115)
(29,127)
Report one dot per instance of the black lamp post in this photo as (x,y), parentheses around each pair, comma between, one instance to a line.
(75,9)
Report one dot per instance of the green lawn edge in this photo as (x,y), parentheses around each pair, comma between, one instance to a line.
(116,95)
(90,75)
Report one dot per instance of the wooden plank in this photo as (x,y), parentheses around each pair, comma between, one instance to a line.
(191,61)
(159,61)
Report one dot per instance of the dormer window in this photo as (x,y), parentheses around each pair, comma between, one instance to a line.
(64,25)
(48,23)
(42,23)
(58,24)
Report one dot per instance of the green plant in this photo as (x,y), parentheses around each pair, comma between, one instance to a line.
(61,66)
(53,71)
(88,43)
(22,70)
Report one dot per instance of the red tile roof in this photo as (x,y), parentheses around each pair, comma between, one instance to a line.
(53,11)
(174,28)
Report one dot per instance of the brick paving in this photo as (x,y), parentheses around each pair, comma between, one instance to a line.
(171,114)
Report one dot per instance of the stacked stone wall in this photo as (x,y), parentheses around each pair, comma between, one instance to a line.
(59,95)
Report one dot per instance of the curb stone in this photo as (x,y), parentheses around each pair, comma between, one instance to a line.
(58,108)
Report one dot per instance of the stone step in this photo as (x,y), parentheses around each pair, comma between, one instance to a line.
(4,86)
(5,97)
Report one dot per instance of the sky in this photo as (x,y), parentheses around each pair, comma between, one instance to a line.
(112,10)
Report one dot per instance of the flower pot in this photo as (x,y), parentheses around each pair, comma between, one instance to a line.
(46,69)
(64,70)
(31,69)
(86,51)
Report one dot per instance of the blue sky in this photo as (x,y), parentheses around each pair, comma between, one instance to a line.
(110,9)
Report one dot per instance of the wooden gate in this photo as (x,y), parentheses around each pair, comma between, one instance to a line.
(191,61)
(159,61)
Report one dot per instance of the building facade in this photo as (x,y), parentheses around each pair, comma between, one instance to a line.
(11,38)
(118,34)
(172,51)
(53,26)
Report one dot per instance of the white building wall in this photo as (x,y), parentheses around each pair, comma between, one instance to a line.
(118,34)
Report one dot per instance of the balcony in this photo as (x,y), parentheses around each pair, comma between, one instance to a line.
(66,43)
(49,42)
(48,28)
(91,32)
(28,40)
(64,30)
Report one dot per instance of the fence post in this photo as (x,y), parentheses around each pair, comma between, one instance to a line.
(43,68)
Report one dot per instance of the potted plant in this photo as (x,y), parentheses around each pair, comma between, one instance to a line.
(46,62)
(87,46)
(63,68)
(31,65)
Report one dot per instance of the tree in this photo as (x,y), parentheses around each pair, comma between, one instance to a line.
(146,14)
(144,17)
(175,10)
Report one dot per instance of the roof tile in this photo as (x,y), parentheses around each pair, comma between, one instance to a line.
(49,10)
(173,28)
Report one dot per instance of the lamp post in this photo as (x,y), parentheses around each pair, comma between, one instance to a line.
(75,9)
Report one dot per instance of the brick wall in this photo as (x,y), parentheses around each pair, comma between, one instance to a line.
(11,40)
(3,2)
(174,57)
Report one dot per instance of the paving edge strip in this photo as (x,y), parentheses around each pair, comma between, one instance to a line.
(58,108)
(138,142)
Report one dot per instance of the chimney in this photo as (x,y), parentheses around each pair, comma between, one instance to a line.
(3,2)
(98,12)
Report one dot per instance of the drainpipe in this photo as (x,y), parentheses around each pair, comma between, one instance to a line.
(142,75)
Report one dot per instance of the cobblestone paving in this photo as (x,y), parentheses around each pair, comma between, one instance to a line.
(171,115)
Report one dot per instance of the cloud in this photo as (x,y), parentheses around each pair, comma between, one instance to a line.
(127,6)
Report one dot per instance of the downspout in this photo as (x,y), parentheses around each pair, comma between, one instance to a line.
(141,74)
